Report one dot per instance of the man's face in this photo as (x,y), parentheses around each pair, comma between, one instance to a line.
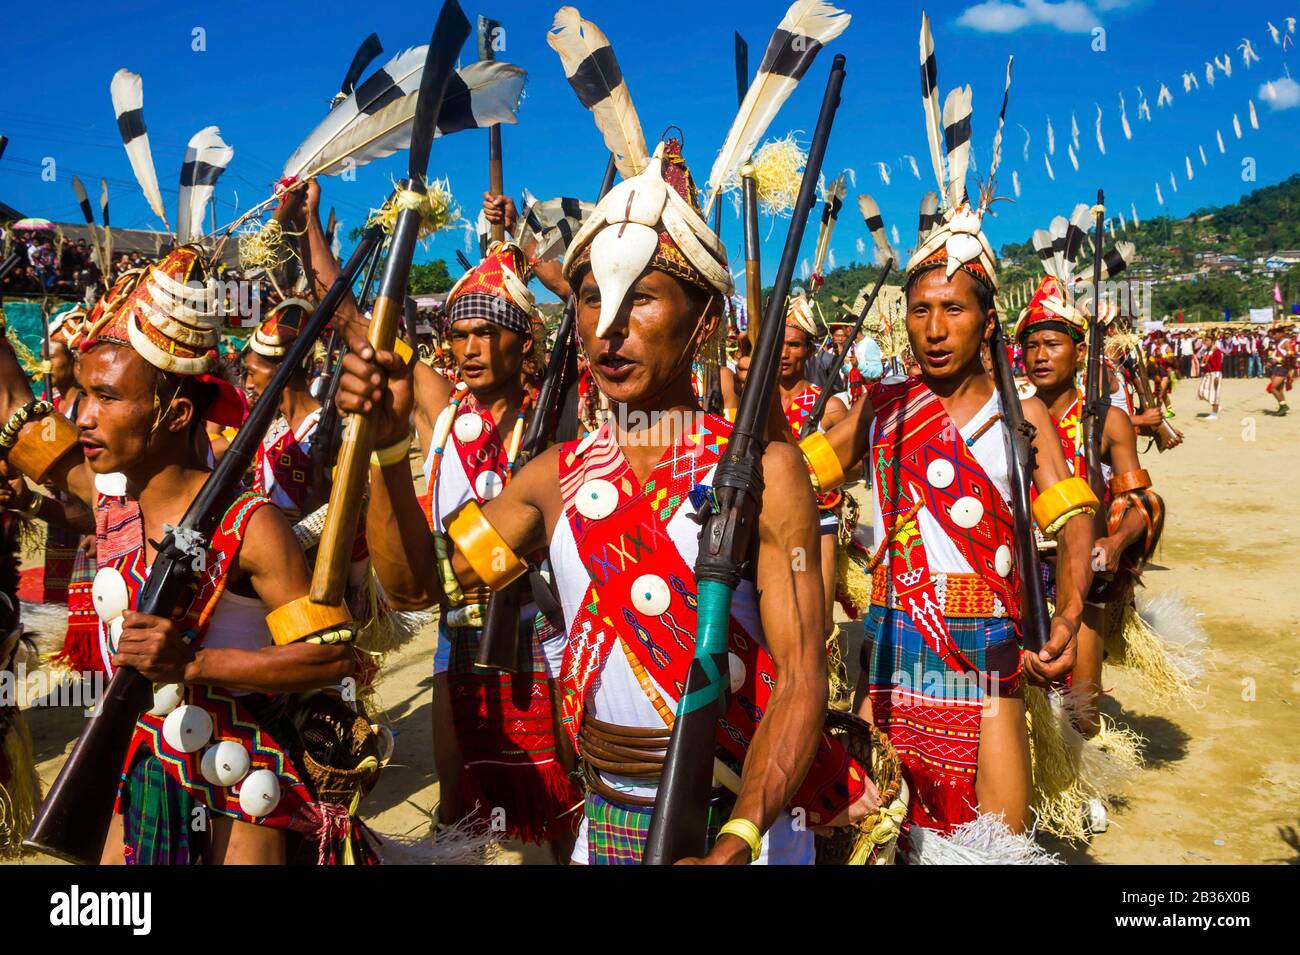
(649,346)
(62,366)
(487,355)
(1051,358)
(258,372)
(945,324)
(117,414)
(795,349)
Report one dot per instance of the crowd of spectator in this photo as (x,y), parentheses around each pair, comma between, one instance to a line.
(53,265)
(1245,351)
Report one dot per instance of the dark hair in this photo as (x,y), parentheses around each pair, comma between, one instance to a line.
(983,293)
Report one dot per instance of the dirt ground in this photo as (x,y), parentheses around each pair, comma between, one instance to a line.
(1222,780)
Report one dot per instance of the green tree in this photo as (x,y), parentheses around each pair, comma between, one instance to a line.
(430,277)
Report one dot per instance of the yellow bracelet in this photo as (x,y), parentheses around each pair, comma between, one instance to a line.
(1058,503)
(747,831)
(486,551)
(823,462)
(393,454)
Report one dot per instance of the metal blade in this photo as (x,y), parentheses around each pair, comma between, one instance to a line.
(742,68)
(365,55)
(449,35)
(487,31)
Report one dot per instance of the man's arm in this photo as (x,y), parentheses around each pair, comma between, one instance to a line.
(1073,552)
(1120,445)
(273,561)
(790,604)
(318,262)
(850,436)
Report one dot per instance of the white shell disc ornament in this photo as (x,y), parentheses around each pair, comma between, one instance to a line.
(596,499)
(967,512)
(187,728)
(488,485)
(736,670)
(109,594)
(225,764)
(467,427)
(940,472)
(166,697)
(259,793)
(1002,561)
(650,595)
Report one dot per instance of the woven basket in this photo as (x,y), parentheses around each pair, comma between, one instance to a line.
(872,840)
(340,750)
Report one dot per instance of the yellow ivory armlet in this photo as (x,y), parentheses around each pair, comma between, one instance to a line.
(301,618)
(42,444)
(1062,501)
(823,462)
(486,551)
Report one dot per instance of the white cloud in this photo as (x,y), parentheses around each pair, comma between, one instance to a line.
(1286,94)
(998,16)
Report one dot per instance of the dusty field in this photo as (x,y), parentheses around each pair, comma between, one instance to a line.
(1222,783)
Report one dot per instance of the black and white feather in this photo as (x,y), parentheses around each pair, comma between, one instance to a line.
(375,119)
(593,71)
(930,101)
(832,202)
(551,224)
(807,26)
(206,158)
(928,218)
(884,254)
(127,90)
(369,49)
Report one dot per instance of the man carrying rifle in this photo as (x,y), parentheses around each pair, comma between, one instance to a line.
(212,771)
(1053,333)
(798,396)
(942,660)
(494,733)
(615,514)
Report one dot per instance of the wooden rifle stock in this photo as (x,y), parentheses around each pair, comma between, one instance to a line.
(815,416)
(753,267)
(678,825)
(1034,621)
(73,820)
(1095,403)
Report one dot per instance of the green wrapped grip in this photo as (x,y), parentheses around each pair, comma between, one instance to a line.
(711,631)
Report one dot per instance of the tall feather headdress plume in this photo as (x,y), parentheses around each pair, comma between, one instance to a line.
(375,119)
(928,218)
(832,202)
(806,27)
(108,229)
(956,141)
(88,213)
(550,225)
(206,158)
(986,195)
(876,226)
(930,100)
(127,90)
(594,74)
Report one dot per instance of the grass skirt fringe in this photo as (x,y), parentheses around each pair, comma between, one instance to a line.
(20,786)
(985,840)
(1069,769)
(1160,643)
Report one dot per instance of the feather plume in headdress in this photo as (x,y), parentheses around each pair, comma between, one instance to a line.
(127,90)
(876,226)
(594,74)
(88,214)
(375,119)
(108,230)
(930,101)
(928,217)
(206,158)
(806,27)
(833,201)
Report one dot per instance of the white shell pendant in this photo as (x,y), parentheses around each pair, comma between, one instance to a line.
(166,697)
(109,594)
(488,485)
(115,633)
(650,595)
(1025,389)
(112,484)
(467,427)
(596,499)
(225,764)
(187,728)
(737,672)
(259,793)
(967,512)
(940,472)
(1002,561)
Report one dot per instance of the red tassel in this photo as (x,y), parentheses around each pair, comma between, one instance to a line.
(536,799)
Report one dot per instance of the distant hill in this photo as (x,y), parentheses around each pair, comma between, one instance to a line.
(1173,254)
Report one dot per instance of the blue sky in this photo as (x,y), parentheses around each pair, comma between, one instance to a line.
(268,72)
